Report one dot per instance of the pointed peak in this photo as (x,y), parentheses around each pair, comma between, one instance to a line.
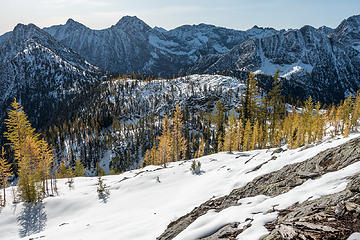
(132,22)
(72,23)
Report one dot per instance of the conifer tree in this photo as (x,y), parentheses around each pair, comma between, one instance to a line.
(79,170)
(219,119)
(18,128)
(147,158)
(62,171)
(247,136)
(238,143)
(45,164)
(200,151)
(254,136)
(164,148)
(230,135)
(100,170)
(276,102)
(32,154)
(5,173)
(178,142)
(308,119)
(356,111)
(30,191)
(249,107)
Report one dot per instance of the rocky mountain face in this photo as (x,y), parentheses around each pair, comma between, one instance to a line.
(40,72)
(308,59)
(320,62)
(133,46)
(334,216)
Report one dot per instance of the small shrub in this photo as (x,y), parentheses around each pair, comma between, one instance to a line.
(102,190)
(195,167)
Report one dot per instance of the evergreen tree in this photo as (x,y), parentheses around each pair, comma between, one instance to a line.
(254,136)
(201,149)
(99,170)
(277,105)
(32,154)
(247,136)
(230,133)
(18,128)
(79,170)
(219,119)
(164,148)
(250,106)
(5,173)
(178,142)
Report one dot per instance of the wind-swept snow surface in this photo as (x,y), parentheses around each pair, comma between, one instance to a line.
(143,202)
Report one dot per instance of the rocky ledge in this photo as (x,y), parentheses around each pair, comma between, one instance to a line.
(333,216)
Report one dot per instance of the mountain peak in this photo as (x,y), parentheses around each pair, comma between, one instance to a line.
(128,22)
(72,23)
(21,27)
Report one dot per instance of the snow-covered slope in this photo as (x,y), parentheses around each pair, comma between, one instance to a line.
(143,202)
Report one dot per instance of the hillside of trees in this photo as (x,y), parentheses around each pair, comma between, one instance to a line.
(34,160)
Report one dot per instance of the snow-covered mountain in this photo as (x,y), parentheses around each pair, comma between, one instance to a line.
(132,46)
(323,62)
(308,59)
(40,71)
(236,196)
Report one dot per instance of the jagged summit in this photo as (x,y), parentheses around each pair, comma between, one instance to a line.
(25,27)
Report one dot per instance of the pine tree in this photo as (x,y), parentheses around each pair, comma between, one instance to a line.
(200,151)
(18,128)
(79,170)
(219,119)
(164,148)
(32,154)
(147,158)
(249,107)
(238,143)
(5,173)
(308,119)
(254,136)
(30,191)
(277,105)
(230,133)
(178,142)
(247,136)
(62,171)
(99,170)
(45,163)
(356,111)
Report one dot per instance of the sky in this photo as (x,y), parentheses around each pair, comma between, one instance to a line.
(235,14)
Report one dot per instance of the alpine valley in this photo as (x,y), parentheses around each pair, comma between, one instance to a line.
(269,118)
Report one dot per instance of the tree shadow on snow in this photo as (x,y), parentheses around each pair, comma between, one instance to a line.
(32,219)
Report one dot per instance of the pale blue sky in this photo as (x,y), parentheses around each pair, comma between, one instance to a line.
(236,14)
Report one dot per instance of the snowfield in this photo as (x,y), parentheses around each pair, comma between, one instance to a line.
(143,202)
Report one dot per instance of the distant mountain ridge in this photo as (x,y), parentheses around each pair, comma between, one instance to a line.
(322,62)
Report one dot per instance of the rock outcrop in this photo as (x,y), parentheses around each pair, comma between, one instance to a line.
(309,220)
